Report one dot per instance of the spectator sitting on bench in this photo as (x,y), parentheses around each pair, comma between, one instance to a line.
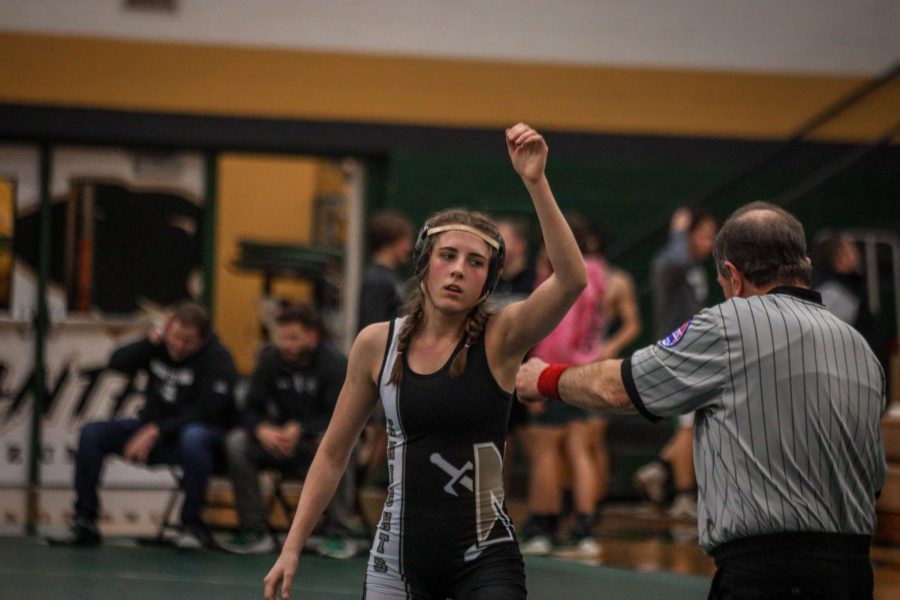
(290,399)
(188,406)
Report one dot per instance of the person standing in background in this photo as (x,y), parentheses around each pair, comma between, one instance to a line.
(680,290)
(837,275)
(517,279)
(558,434)
(389,237)
(622,325)
(678,276)
(516,283)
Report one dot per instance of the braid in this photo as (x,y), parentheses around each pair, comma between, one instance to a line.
(474,328)
(415,311)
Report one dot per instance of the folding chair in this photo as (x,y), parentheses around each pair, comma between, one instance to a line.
(168,519)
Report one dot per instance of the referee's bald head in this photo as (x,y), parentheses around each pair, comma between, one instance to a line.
(766,244)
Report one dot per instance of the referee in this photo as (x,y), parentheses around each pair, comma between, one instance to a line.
(788,402)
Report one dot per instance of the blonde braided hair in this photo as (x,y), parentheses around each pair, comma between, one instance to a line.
(474,327)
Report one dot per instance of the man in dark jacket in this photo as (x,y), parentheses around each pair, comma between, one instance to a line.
(289,404)
(188,405)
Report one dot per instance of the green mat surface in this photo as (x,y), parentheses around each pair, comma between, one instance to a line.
(31,570)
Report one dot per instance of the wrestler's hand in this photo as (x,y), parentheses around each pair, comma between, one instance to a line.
(527,380)
(527,151)
(282,572)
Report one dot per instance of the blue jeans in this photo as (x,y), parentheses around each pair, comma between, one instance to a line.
(196,450)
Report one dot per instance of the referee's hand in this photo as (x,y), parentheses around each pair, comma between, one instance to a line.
(527,380)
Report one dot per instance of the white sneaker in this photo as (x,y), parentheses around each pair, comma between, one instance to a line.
(539,545)
(684,508)
(650,481)
(683,532)
(588,548)
(188,540)
(339,548)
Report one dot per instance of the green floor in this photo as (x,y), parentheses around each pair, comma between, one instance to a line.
(32,570)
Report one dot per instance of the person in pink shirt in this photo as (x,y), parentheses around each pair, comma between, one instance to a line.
(559,435)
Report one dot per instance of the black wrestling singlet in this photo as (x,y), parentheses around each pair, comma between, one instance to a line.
(444,512)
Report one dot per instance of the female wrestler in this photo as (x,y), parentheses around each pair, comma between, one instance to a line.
(444,373)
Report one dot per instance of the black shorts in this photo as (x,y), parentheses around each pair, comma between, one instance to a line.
(496,575)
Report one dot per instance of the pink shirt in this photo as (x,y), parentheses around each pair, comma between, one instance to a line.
(578,339)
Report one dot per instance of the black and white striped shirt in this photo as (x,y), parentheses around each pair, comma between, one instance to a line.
(788,402)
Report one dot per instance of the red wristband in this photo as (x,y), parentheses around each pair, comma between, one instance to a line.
(548,381)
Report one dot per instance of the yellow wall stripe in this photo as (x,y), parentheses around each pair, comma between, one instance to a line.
(253,82)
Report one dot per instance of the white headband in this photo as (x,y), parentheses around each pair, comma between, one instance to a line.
(459,227)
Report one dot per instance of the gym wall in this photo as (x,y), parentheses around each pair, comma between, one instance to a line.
(628,144)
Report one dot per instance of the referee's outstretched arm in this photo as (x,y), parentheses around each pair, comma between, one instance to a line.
(594,386)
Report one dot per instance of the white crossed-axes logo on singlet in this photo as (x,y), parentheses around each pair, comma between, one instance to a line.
(456,475)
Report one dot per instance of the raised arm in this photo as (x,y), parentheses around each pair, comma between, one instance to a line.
(521,325)
(355,403)
(676,251)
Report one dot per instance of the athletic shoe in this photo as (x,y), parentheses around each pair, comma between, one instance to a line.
(339,548)
(538,545)
(650,481)
(684,508)
(250,542)
(583,527)
(189,540)
(588,547)
(83,534)
(683,532)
